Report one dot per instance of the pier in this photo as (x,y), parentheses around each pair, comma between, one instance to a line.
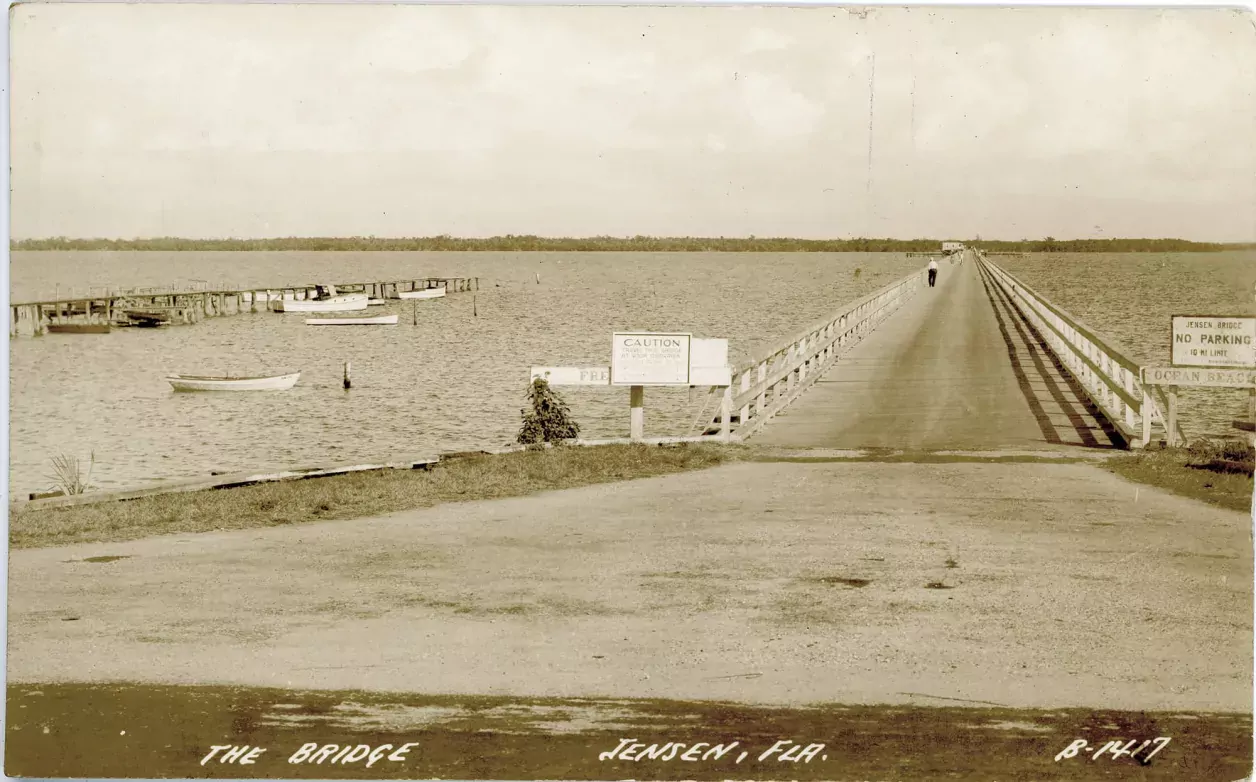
(981,361)
(102,309)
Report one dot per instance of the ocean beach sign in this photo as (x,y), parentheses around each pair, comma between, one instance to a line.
(1212,341)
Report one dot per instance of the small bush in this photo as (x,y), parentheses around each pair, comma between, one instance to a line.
(1210,453)
(69,476)
(549,420)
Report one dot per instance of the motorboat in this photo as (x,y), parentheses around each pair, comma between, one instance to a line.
(422,293)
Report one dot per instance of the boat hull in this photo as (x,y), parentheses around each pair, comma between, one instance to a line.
(382,320)
(199,383)
(425,293)
(78,328)
(350,303)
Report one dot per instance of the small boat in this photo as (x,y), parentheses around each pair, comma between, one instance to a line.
(422,293)
(375,302)
(148,318)
(78,328)
(206,383)
(381,320)
(351,302)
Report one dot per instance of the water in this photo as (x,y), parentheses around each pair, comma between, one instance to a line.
(453,382)
(456,381)
(1131,298)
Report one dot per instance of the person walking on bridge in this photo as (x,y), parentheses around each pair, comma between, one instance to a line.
(933,272)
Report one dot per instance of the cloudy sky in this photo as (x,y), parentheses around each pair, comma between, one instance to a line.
(318,120)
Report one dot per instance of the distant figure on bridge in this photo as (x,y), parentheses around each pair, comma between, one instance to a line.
(933,272)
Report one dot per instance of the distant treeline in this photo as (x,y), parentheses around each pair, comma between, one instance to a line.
(511,243)
(1050,245)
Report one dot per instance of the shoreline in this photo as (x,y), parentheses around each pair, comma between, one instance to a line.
(457,478)
(512,243)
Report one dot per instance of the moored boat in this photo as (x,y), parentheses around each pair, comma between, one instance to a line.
(422,293)
(78,328)
(351,302)
(380,320)
(148,318)
(226,383)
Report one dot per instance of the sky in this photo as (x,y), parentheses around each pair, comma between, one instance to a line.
(215,121)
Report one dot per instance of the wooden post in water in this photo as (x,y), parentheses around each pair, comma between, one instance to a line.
(414,312)
(348,382)
(475,313)
(636,421)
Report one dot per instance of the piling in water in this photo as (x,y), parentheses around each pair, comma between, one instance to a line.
(348,383)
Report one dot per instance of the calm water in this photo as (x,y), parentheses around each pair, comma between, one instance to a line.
(456,381)
(1130,299)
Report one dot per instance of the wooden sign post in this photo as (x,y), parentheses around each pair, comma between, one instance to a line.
(1207,352)
(640,359)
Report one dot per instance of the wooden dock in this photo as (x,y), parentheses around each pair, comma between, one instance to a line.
(110,308)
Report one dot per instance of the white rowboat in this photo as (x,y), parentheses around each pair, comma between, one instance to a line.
(422,293)
(350,302)
(203,383)
(381,320)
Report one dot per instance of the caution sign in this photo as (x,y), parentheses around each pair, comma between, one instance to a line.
(650,359)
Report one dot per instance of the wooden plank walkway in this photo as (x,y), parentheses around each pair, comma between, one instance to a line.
(955,368)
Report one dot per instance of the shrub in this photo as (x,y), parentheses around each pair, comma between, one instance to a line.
(549,419)
(69,475)
(1220,454)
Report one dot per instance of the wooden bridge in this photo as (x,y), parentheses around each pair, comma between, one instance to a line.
(981,361)
(107,307)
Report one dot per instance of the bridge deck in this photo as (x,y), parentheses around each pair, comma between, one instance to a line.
(955,368)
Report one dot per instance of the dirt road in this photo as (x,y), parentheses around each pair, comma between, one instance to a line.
(1017,585)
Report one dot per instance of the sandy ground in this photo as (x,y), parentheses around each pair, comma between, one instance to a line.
(759,583)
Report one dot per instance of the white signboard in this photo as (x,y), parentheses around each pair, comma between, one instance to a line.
(1207,341)
(650,359)
(573,376)
(708,363)
(1220,378)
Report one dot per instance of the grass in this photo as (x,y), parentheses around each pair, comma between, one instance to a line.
(358,495)
(1217,472)
(529,243)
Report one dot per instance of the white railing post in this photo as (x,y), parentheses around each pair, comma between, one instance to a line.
(745,407)
(1128,377)
(762,401)
(726,412)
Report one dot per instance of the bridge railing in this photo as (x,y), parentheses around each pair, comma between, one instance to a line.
(774,378)
(1105,371)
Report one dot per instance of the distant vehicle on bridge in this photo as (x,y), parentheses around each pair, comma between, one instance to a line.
(950,248)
